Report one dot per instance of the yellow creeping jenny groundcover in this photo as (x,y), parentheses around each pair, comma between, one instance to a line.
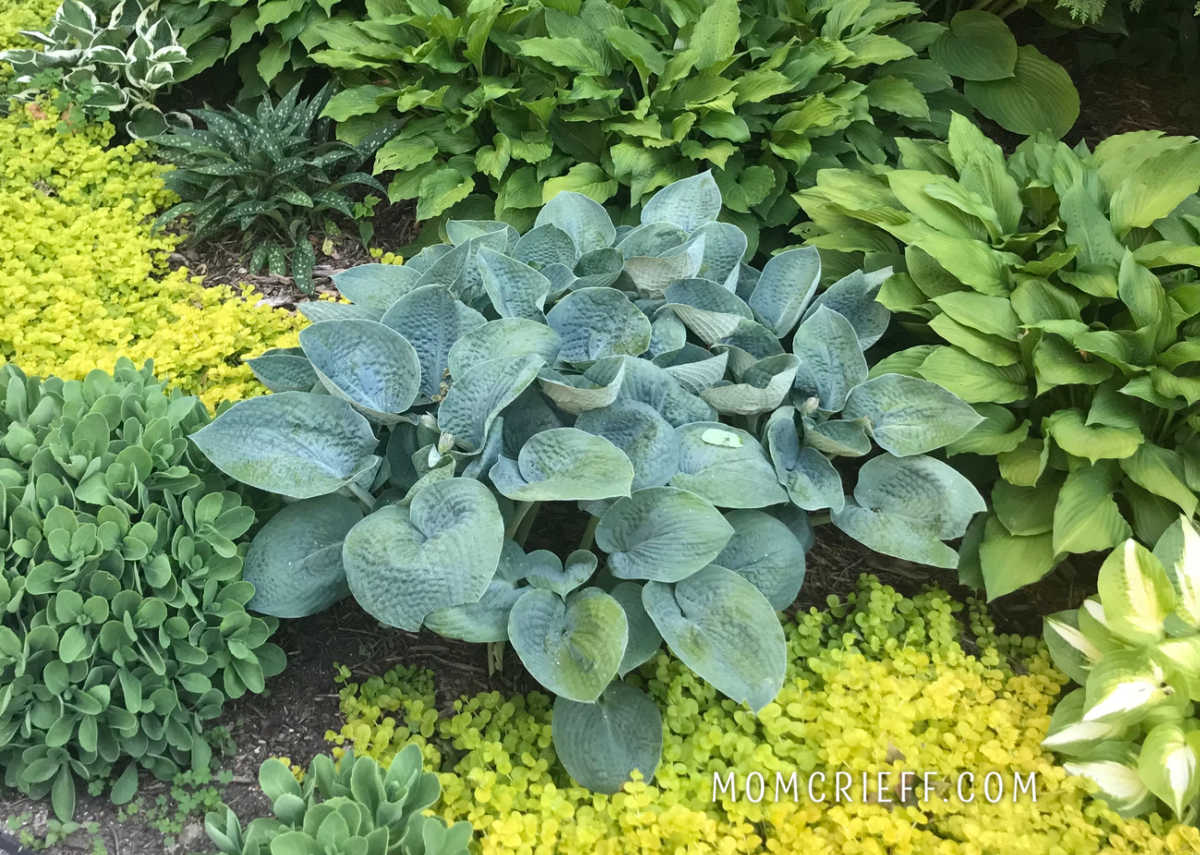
(85,281)
(878,682)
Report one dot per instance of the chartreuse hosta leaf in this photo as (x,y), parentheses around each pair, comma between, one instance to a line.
(600,744)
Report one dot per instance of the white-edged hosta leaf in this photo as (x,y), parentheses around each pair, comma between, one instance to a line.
(786,286)
(584,220)
(478,396)
(1136,593)
(502,338)
(1070,734)
(687,204)
(725,630)
(365,362)
(600,744)
(661,533)
(647,439)
(1178,550)
(1119,782)
(442,550)
(727,466)
(1123,687)
(906,415)
(295,444)
(1071,650)
(1169,765)
(572,648)
(831,359)
(376,286)
(432,320)
(564,464)
(597,322)
(768,553)
(644,640)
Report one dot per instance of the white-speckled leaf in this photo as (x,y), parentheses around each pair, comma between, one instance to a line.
(584,220)
(907,415)
(661,533)
(787,284)
(442,550)
(481,393)
(831,359)
(725,630)
(370,365)
(376,287)
(433,321)
(766,552)
(687,204)
(729,476)
(647,439)
(500,339)
(293,443)
(597,322)
(515,289)
(564,464)
(572,648)
(601,743)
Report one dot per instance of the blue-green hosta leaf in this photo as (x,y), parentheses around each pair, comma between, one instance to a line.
(319,310)
(1070,734)
(708,310)
(906,415)
(530,414)
(545,245)
(461,231)
(837,438)
(584,220)
(727,466)
(284,369)
(564,464)
(853,297)
(667,334)
(596,269)
(483,622)
(578,393)
(601,743)
(503,338)
(687,204)
(597,322)
(442,550)
(754,339)
(478,396)
(292,443)
(644,640)
(652,276)
(831,359)
(647,439)
(725,630)
(1136,592)
(720,248)
(760,388)
(516,289)
(295,560)
(433,321)
(1169,764)
(937,497)
(661,533)
(694,367)
(810,479)
(544,569)
(785,287)
(572,648)
(765,551)
(370,365)
(652,240)
(376,287)
(1178,550)
(893,534)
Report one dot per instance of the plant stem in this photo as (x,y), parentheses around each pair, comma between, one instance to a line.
(362,495)
(589,533)
(495,657)
(816,518)
(526,526)
(518,517)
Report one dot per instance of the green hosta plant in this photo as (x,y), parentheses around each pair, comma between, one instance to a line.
(353,808)
(123,626)
(691,406)
(274,176)
(1057,291)
(109,59)
(1135,651)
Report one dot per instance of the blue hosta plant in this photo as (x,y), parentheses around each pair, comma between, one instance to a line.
(693,407)
(1135,651)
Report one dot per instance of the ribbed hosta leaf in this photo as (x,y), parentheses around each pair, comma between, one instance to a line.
(432,320)
(598,322)
(661,533)
(564,464)
(477,397)
(727,466)
(601,743)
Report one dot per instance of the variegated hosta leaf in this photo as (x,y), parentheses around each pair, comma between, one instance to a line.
(1072,651)
(506,338)
(785,288)
(375,287)
(1069,734)
(483,622)
(644,640)
(572,648)
(598,322)
(662,533)
(515,289)
(295,560)
(1182,657)
(584,221)
(687,204)
(564,464)
(708,310)
(1178,550)
(432,320)
(1119,783)
(725,630)
(906,415)
(647,439)
(292,443)
(831,361)
(544,569)
(284,369)
(810,479)
(442,550)
(727,466)
(1124,686)
(1136,593)
(478,396)
(768,553)
(760,388)
(1169,764)
(601,743)
(365,362)
(853,297)
(596,387)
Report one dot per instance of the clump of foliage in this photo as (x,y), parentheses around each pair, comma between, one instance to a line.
(690,405)
(878,682)
(110,59)
(273,176)
(123,625)
(512,101)
(1132,727)
(86,281)
(1060,288)
(354,808)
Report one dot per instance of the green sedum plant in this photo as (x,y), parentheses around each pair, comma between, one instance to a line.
(108,59)
(273,175)
(123,626)
(353,808)
(1056,291)
(1135,651)
(691,406)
